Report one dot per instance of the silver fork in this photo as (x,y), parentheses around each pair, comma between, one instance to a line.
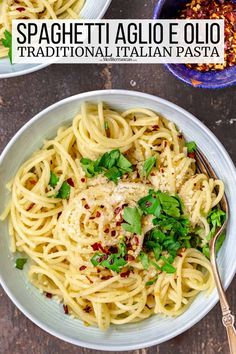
(227,318)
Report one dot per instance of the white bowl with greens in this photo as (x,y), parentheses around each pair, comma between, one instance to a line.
(48,314)
(93,9)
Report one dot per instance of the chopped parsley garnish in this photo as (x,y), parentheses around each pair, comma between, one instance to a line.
(148,165)
(191,146)
(64,191)
(20,262)
(113,164)
(114,261)
(106,126)
(216,219)
(170,232)
(7,43)
(133,217)
(151,282)
(157,202)
(144,260)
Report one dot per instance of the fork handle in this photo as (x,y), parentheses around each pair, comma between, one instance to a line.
(228,322)
(227,317)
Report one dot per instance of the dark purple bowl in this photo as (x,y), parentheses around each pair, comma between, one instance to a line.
(167,9)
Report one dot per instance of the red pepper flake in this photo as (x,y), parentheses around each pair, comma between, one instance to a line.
(113,233)
(70,182)
(155,127)
(106,277)
(48,295)
(87,206)
(33,181)
(107,231)
(20,9)
(118,210)
(97,246)
(83,180)
(113,249)
(98,214)
(136,240)
(87,309)
(125,274)
(153,174)
(83,267)
(191,155)
(65,307)
(118,223)
(101,206)
(130,258)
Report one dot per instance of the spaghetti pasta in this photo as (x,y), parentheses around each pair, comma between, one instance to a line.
(69,219)
(35,9)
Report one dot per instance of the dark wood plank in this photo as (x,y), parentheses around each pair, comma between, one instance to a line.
(21,98)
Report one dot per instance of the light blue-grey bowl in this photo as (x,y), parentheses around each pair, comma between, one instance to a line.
(46,313)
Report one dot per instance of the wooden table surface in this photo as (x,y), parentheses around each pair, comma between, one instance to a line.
(21,98)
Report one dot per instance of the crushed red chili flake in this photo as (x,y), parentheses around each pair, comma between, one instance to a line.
(129,258)
(191,155)
(113,233)
(87,206)
(113,249)
(215,9)
(87,309)
(83,267)
(70,182)
(65,307)
(48,295)
(125,274)
(118,223)
(152,174)
(106,277)
(20,9)
(155,128)
(118,210)
(98,214)
(33,181)
(136,240)
(83,180)
(107,231)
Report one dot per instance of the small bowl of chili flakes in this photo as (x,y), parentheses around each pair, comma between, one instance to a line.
(209,76)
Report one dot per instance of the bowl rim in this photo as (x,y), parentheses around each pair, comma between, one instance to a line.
(93,95)
(42,66)
(171,67)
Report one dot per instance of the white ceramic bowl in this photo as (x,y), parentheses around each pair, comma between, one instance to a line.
(46,313)
(93,9)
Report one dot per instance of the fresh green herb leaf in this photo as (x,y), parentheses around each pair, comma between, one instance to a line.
(64,191)
(106,126)
(151,282)
(168,268)
(150,205)
(20,262)
(148,165)
(144,259)
(124,164)
(132,216)
(91,168)
(7,43)
(157,202)
(216,219)
(53,179)
(191,146)
(113,164)
(170,205)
